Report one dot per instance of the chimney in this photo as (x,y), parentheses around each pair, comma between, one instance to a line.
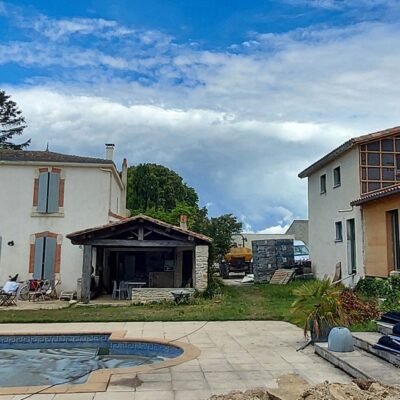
(124,178)
(110,151)
(183,222)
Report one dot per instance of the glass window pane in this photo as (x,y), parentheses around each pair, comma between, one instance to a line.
(387,159)
(398,162)
(388,174)
(374,146)
(387,145)
(364,187)
(363,174)
(373,186)
(363,147)
(374,174)
(363,158)
(373,158)
(398,144)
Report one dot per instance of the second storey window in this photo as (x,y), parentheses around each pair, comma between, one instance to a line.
(323,183)
(48,191)
(337,180)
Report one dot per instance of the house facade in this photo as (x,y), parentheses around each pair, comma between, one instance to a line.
(44,197)
(353,207)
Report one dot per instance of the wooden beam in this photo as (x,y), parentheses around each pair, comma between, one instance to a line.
(140,232)
(168,234)
(86,272)
(138,243)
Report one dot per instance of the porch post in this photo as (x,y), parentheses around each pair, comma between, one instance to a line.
(86,272)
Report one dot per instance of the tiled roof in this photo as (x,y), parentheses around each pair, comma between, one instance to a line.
(47,156)
(347,146)
(377,195)
(78,234)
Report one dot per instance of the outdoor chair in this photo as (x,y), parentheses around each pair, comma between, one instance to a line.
(121,290)
(8,295)
(39,292)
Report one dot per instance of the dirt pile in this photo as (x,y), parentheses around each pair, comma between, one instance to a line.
(357,390)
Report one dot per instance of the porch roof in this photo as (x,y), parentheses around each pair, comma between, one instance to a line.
(377,195)
(105,234)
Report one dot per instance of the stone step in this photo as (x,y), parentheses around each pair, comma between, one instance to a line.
(366,342)
(360,364)
(385,328)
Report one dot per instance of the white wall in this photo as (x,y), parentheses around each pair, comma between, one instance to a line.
(323,212)
(258,236)
(86,204)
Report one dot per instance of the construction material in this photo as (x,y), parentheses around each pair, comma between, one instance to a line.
(282,276)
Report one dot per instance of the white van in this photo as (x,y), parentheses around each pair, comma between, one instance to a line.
(301,253)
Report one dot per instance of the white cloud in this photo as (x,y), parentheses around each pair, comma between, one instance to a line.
(238,126)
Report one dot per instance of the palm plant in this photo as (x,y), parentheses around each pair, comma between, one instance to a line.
(318,307)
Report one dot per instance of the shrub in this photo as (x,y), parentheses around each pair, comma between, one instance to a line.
(357,311)
(372,287)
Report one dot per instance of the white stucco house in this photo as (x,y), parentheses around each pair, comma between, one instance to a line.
(46,195)
(353,224)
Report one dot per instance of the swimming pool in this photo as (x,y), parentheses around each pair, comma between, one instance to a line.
(70,359)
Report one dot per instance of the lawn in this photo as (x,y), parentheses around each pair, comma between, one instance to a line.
(258,302)
(238,303)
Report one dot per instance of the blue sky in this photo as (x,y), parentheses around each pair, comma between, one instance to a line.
(236,96)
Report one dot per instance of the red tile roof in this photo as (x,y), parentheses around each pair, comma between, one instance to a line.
(377,195)
(76,235)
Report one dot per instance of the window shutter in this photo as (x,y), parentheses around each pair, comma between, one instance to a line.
(49,258)
(37,270)
(42,195)
(54,185)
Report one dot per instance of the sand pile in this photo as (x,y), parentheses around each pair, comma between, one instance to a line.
(357,390)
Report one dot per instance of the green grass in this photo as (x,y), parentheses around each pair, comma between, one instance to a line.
(258,302)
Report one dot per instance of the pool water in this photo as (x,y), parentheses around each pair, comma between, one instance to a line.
(31,367)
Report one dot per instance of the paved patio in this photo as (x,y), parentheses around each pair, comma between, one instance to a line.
(234,355)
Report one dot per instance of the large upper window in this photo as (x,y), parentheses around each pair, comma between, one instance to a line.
(337,180)
(323,183)
(380,164)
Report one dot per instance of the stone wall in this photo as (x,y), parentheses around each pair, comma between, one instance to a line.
(270,255)
(154,295)
(201,267)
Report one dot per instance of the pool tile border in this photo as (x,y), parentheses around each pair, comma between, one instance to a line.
(98,380)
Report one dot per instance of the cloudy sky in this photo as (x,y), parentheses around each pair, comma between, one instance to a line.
(237,96)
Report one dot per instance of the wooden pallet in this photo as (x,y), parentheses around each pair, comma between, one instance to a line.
(282,276)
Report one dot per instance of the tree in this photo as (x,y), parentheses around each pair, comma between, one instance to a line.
(157,188)
(11,123)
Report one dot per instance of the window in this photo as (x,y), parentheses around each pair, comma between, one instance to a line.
(336,177)
(394,243)
(339,231)
(379,164)
(351,247)
(301,250)
(44,257)
(48,191)
(323,183)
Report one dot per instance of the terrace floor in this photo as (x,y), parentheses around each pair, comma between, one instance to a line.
(234,356)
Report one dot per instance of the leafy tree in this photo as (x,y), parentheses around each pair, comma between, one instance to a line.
(11,123)
(157,188)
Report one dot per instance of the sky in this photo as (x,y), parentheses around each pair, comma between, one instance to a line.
(237,96)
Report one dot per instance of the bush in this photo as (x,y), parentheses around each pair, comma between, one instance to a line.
(372,287)
(357,311)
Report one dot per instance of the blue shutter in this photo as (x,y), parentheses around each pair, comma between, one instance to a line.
(49,258)
(42,194)
(37,269)
(52,200)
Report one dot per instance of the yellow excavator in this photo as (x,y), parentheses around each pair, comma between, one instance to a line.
(239,259)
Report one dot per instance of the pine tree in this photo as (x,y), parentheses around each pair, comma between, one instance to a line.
(11,123)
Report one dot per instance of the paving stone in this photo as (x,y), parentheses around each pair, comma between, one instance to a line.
(192,394)
(155,395)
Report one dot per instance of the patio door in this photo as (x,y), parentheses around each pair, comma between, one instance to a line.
(351,247)
(394,243)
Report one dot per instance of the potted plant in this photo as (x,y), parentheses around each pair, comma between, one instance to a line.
(318,308)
